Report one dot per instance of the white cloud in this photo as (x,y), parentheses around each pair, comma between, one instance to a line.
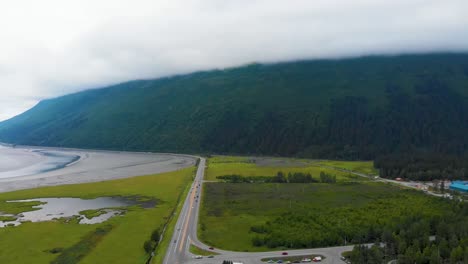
(53,47)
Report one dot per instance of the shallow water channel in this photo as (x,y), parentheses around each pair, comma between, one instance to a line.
(55,208)
(17,163)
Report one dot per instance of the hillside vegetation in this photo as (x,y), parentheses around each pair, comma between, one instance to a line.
(340,109)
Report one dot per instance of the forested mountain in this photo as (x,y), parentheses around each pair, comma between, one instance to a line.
(359,108)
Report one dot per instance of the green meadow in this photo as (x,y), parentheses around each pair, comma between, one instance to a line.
(273,216)
(245,166)
(118,240)
(200,251)
(366,167)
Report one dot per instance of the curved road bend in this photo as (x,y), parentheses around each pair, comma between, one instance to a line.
(185,233)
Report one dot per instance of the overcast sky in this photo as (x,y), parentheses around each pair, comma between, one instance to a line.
(53,47)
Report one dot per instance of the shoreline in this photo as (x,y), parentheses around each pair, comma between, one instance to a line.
(14,160)
(33,161)
(75,159)
(94,166)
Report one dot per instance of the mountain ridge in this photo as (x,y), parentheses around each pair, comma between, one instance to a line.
(315,108)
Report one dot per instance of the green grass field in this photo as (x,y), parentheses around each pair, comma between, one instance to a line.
(226,165)
(366,167)
(306,215)
(123,243)
(160,252)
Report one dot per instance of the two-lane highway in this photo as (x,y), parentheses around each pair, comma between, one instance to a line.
(185,234)
(178,251)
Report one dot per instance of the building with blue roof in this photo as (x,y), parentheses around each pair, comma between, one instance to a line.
(461,186)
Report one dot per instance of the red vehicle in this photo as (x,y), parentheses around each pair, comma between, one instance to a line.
(284,253)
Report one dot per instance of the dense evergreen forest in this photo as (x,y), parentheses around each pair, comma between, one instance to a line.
(422,166)
(421,241)
(410,239)
(362,108)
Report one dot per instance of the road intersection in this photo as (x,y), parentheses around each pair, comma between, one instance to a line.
(185,234)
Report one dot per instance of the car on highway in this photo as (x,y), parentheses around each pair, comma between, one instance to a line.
(211,248)
(306,260)
(198,257)
(284,253)
(210,256)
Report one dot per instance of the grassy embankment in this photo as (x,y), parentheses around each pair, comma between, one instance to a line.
(160,252)
(304,215)
(200,251)
(119,239)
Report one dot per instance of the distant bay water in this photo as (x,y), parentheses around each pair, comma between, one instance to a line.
(17,162)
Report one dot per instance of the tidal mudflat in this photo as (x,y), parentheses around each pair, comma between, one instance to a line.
(32,167)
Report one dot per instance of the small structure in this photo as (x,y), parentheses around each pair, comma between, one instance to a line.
(461,186)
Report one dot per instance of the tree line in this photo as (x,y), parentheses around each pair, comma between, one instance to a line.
(412,238)
(280,177)
(420,241)
(423,166)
